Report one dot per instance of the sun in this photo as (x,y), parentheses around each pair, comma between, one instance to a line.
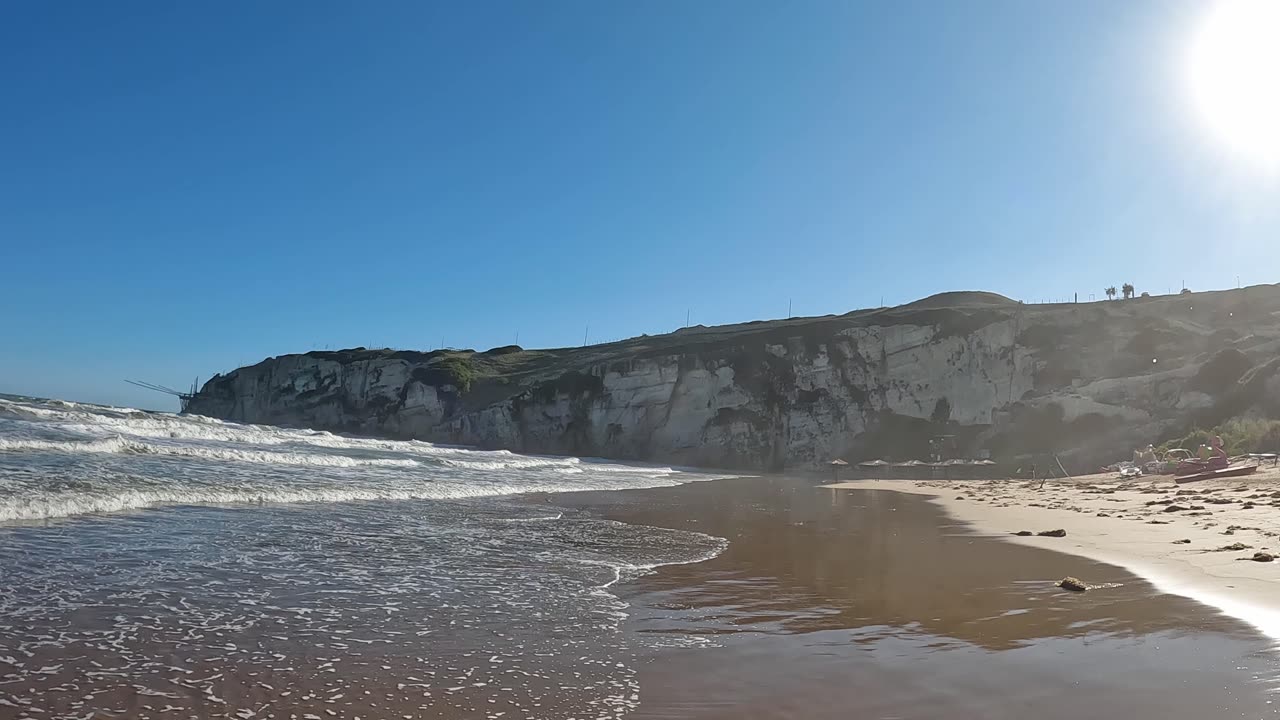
(1233,70)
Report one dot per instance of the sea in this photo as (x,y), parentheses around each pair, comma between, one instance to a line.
(155,565)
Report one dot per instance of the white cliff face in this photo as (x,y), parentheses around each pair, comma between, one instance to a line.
(306,391)
(794,394)
(799,404)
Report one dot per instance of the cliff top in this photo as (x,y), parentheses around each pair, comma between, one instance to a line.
(485,376)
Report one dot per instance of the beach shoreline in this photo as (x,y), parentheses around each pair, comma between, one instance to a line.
(835,604)
(1128,523)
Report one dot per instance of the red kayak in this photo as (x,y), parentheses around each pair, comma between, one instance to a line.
(1226,472)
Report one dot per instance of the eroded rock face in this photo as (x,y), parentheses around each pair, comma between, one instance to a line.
(1078,380)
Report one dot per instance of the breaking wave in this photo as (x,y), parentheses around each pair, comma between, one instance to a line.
(120,444)
(60,459)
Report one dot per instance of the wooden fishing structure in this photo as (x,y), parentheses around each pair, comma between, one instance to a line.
(184,398)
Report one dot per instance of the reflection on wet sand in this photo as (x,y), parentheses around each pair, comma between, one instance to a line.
(871,603)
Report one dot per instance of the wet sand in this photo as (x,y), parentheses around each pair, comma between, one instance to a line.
(864,603)
(1196,540)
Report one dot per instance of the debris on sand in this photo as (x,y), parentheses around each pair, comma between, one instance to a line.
(1183,541)
(1073,584)
(1053,533)
(1231,529)
(1233,547)
(1262,557)
(1174,508)
(1024,533)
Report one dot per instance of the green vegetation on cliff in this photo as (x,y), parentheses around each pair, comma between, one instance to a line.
(1239,436)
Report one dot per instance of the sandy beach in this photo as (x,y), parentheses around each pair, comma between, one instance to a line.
(1196,540)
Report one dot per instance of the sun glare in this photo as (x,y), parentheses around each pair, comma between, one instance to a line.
(1234,74)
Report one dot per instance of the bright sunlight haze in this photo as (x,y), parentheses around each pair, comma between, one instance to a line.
(1234,73)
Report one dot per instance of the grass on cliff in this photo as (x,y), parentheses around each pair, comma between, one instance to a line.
(468,370)
(456,370)
(459,369)
(1239,436)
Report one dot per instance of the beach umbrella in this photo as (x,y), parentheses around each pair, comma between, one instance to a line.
(835,467)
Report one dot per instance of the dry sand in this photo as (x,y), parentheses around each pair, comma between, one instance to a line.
(1140,524)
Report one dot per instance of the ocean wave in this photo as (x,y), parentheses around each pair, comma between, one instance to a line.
(70,504)
(111,444)
(598,465)
(628,571)
(124,421)
(516,462)
(17,408)
(121,445)
(51,465)
(116,497)
(540,518)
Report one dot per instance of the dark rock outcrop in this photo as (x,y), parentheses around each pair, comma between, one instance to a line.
(1073,584)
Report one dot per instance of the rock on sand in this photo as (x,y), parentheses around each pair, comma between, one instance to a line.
(1074,584)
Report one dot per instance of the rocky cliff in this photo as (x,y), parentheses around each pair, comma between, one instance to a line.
(1082,380)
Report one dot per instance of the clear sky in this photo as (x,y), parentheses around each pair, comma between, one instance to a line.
(188,187)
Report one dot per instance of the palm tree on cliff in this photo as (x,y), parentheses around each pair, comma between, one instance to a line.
(1127,288)
(1111,292)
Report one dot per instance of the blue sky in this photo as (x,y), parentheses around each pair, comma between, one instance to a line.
(185,188)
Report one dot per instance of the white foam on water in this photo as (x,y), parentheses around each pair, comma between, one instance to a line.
(64,459)
(515,462)
(494,602)
(120,444)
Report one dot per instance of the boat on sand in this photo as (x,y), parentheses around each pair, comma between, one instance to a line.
(1224,472)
